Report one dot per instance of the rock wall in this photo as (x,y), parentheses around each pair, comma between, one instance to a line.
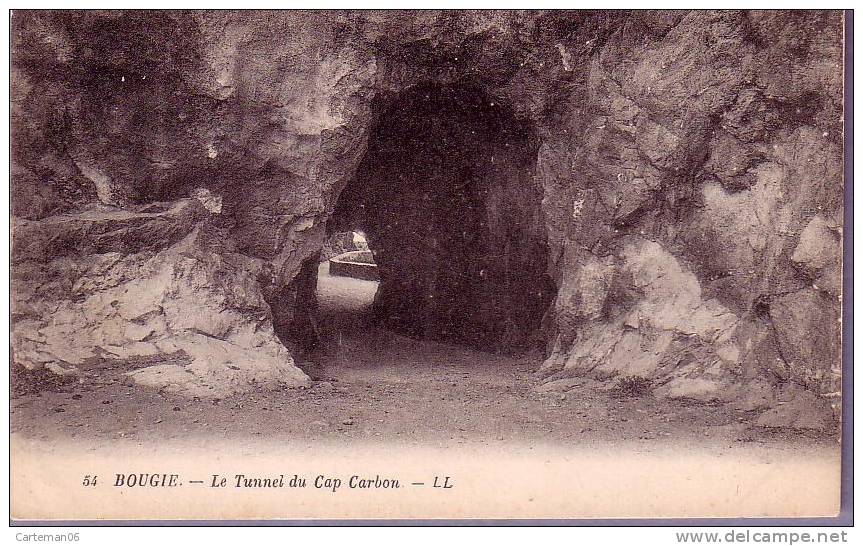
(707,151)
(688,169)
(155,289)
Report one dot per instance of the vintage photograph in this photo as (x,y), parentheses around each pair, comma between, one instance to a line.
(426,264)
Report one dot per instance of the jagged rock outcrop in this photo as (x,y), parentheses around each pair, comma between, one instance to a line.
(155,290)
(678,179)
(691,146)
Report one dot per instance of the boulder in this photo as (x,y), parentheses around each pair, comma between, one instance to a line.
(801,409)
(195,296)
(819,254)
(808,331)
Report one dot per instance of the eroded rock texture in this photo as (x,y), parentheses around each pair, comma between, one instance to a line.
(157,288)
(654,194)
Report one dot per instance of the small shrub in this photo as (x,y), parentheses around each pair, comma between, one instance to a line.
(633,386)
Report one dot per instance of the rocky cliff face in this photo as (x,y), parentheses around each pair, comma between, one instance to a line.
(668,192)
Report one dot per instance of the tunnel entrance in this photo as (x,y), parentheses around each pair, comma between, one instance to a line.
(446,195)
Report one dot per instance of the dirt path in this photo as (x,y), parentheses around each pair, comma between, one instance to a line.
(373,385)
(383,404)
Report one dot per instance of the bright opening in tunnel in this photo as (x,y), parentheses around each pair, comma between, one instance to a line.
(347,280)
(446,194)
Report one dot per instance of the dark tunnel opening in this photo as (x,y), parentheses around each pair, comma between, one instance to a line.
(446,195)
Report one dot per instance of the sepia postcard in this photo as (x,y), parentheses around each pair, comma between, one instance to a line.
(427,265)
